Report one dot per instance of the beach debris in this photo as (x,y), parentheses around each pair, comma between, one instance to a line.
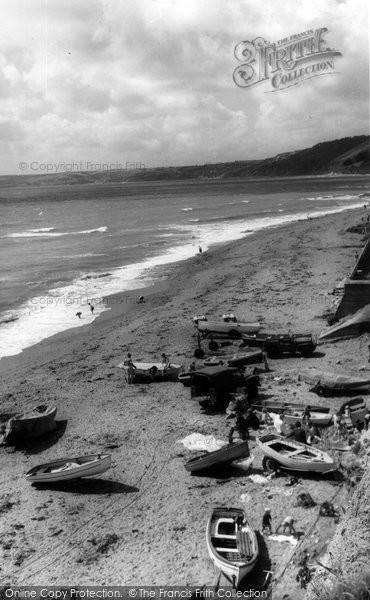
(259,479)
(279,491)
(198,441)
(284,538)
(244,464)
(305,500)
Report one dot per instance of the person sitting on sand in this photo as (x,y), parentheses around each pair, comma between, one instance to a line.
(192,367)
(165,360)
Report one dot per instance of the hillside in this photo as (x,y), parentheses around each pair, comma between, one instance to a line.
(349,155)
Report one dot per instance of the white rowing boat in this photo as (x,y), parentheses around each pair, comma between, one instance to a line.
(232,543)
(293,456)
(66,469)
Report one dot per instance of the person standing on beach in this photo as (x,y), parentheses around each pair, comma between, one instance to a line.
(267,521)
(200,249)
(165,360)
(91,307)
(78,314)
(130,369)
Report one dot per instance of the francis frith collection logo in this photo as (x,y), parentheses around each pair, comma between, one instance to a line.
(284,63)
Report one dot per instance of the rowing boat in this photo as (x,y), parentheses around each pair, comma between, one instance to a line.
(66,469)
(223,456)
(232,544)
(229,327)
(293,456)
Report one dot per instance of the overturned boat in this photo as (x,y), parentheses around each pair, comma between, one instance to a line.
(30,425)
(232,543)
(293,456)
(67,469)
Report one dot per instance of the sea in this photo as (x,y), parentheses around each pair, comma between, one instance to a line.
(63,246)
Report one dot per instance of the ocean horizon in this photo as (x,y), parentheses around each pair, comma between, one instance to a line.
(66,246)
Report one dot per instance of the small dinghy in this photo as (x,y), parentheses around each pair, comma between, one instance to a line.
(293,456)
(225,455)
(66,469)
(232,543)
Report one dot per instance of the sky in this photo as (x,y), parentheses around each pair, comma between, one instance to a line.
(85,83)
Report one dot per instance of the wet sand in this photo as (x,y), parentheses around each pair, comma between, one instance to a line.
(143,522)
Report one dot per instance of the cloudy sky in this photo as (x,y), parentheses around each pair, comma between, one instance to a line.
(150,81)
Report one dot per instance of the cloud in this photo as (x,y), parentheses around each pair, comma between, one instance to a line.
(151,80)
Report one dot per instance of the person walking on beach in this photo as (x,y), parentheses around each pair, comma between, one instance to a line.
(91,307)
(200,249)
(267,521)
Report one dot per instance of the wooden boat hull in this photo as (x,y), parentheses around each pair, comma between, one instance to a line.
(152,371)
(232,547)
(227,328)
(294,456)
(276,406)
(40,420)
(223,456)
(56,471)
(320,419)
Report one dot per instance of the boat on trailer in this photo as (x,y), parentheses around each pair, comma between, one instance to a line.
(232,543)
(67,469)
(230,328)
(293,456)
(216,458)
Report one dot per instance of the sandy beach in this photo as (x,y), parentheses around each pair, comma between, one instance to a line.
(143,522)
